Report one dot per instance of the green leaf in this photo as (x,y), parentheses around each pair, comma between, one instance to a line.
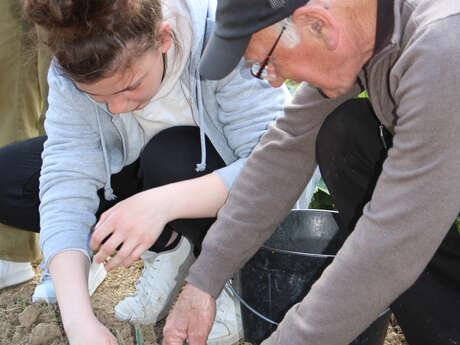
(321,185)
(321,200)
(139,337)
(458,225)
(363,95)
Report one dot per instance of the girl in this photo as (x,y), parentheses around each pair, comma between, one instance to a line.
(128,119)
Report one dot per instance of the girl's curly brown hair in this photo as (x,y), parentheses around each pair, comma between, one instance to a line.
(89,37)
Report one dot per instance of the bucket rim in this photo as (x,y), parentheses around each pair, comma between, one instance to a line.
(320,210)
(310,255)
(229,286)
(293,252)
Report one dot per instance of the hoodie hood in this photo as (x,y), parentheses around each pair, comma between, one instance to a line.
(195,15)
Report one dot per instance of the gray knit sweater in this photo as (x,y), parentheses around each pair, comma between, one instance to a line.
(413,84)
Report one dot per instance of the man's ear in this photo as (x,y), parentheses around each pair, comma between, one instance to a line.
(318,22)
(165,36)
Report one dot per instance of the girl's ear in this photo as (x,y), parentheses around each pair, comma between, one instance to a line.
(165,36)
(317,21)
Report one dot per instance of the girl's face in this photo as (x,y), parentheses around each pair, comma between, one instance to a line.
(133,88)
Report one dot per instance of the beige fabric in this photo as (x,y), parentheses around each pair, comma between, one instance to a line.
(23,91)
(171,106)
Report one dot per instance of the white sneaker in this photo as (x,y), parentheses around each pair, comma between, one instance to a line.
(225,328)
(44,291)
(13,273)
(156,290)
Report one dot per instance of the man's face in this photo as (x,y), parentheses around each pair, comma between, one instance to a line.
(311,60)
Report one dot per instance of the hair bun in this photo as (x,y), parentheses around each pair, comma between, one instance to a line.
(81,15)
(88,37)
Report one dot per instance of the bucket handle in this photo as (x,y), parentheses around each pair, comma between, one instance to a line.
(243,302)
(229,286)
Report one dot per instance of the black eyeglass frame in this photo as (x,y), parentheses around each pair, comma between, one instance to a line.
(264,64)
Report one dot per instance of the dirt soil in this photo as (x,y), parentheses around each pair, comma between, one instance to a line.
(24,323)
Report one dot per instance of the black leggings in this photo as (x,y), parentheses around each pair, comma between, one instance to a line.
(350,154)
(170,156)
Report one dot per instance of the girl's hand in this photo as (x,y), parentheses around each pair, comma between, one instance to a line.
(89,332)
(137,222)
(134,223)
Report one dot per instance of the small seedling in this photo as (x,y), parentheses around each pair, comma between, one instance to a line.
(139,337)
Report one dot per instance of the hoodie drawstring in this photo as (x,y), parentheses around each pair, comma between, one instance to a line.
(108,191)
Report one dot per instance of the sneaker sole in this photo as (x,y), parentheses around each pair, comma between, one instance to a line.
(47,300)
(17,278)
(229,340)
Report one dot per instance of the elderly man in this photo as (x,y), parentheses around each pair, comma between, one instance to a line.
(390,162)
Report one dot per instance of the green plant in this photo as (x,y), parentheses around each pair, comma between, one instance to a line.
(321,198)
(458,224)
(139,337)
(363,94)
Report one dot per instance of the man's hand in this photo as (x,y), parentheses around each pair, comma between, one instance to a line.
(191,318)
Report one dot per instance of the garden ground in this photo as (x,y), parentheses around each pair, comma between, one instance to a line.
(24,323)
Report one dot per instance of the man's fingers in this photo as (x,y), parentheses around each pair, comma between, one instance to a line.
(191,318)
(173,340)
(197,339)
(172,334)
(175,334)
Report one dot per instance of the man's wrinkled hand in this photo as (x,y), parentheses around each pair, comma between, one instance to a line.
(191,318)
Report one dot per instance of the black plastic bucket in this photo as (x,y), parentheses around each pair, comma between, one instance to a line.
(282,272)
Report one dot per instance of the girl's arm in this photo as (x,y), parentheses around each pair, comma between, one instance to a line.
(138,221)
(201,197)
(71,285)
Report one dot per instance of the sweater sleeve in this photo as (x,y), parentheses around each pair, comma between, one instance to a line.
(270,183)
(246,107)
(414,203)
(72,171)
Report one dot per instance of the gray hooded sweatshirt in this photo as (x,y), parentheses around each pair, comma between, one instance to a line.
(86,143)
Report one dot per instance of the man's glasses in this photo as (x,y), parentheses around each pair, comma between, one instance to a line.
(259,71)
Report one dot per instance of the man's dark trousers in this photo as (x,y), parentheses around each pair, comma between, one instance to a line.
(350,148)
